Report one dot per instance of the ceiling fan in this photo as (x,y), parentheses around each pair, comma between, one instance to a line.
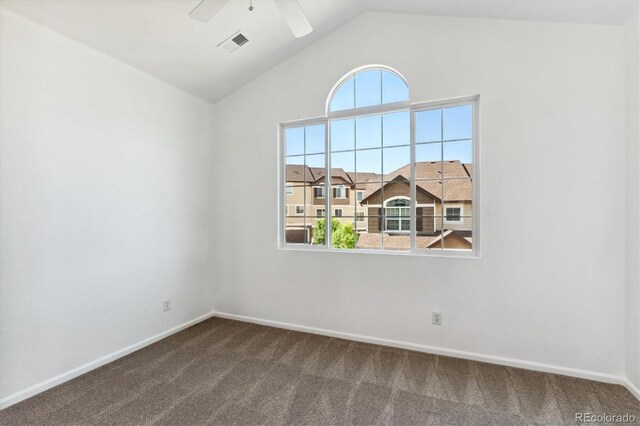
(290,9)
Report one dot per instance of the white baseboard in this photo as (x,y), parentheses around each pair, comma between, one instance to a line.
(511,362)
(529,365)
(71,374)
(632,388)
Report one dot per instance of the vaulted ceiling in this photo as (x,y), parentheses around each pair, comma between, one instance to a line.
(159,37)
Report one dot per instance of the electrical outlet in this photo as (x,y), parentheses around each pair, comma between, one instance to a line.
(167,305)
(436,318)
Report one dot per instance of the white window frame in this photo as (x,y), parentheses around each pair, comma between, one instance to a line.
(343,191)
(413,108)
(360,216)
(359,196)
(301,208)
(453,206)
(335,212)
(399,219)
(320,210)
(289,188)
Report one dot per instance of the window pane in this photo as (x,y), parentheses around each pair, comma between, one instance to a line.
(343,98)
(457,155)
(428,126)
(343,160)
(458,235)
(342,134)
(458,122)
(431,240)
(368,88)
(397,160)
(316,161)
(369,132)
(394,89)
(296,172)
(426,223)
(398,242)
(295,233)
(369,161)
(343,234)
(314,139)
(294,140)
(429,191)
(428,161)
(458,192)
(396,128)
(396,195)
(369,238)
(295,196)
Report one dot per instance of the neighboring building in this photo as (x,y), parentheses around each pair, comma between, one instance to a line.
(380,206)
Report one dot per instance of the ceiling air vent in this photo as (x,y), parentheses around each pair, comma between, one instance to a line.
(233,42)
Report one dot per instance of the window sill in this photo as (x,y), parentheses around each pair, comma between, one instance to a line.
(450,253)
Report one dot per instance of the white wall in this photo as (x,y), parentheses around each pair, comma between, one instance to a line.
(633,201)
(103,205)
(550,286)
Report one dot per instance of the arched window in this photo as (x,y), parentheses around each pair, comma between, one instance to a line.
(377,168)
(397,211)
(368,87)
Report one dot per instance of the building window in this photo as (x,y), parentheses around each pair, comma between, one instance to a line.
(319,212)
(413,167)
(289,189)
(453,215)
(398,214)
(299,209)
(318,191)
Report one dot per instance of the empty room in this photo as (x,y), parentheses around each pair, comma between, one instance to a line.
(321,212)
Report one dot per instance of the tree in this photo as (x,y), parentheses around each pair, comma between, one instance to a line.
(342,235)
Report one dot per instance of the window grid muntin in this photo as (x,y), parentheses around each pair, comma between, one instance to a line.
(351,77)
(415,108)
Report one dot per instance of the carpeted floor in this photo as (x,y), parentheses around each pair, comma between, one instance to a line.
(227,372)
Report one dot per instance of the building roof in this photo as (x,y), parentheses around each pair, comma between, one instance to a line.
(403,242)
(457,186)
(361,178)
(318,173)
(469,168)
(457,183)
(296,173)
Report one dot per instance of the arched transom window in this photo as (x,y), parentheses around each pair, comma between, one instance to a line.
(369,87)
(381,173)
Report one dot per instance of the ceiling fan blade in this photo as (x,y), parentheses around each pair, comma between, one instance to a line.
(207,9)
(294,16)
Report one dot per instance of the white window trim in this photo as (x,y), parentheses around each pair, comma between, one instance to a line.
(453,206)
(361,194)
(289,188)
(474,100)
(302,207)
(320,210)
(335,212)
(399,219)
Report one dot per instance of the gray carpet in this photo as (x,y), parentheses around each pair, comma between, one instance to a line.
(227,372)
